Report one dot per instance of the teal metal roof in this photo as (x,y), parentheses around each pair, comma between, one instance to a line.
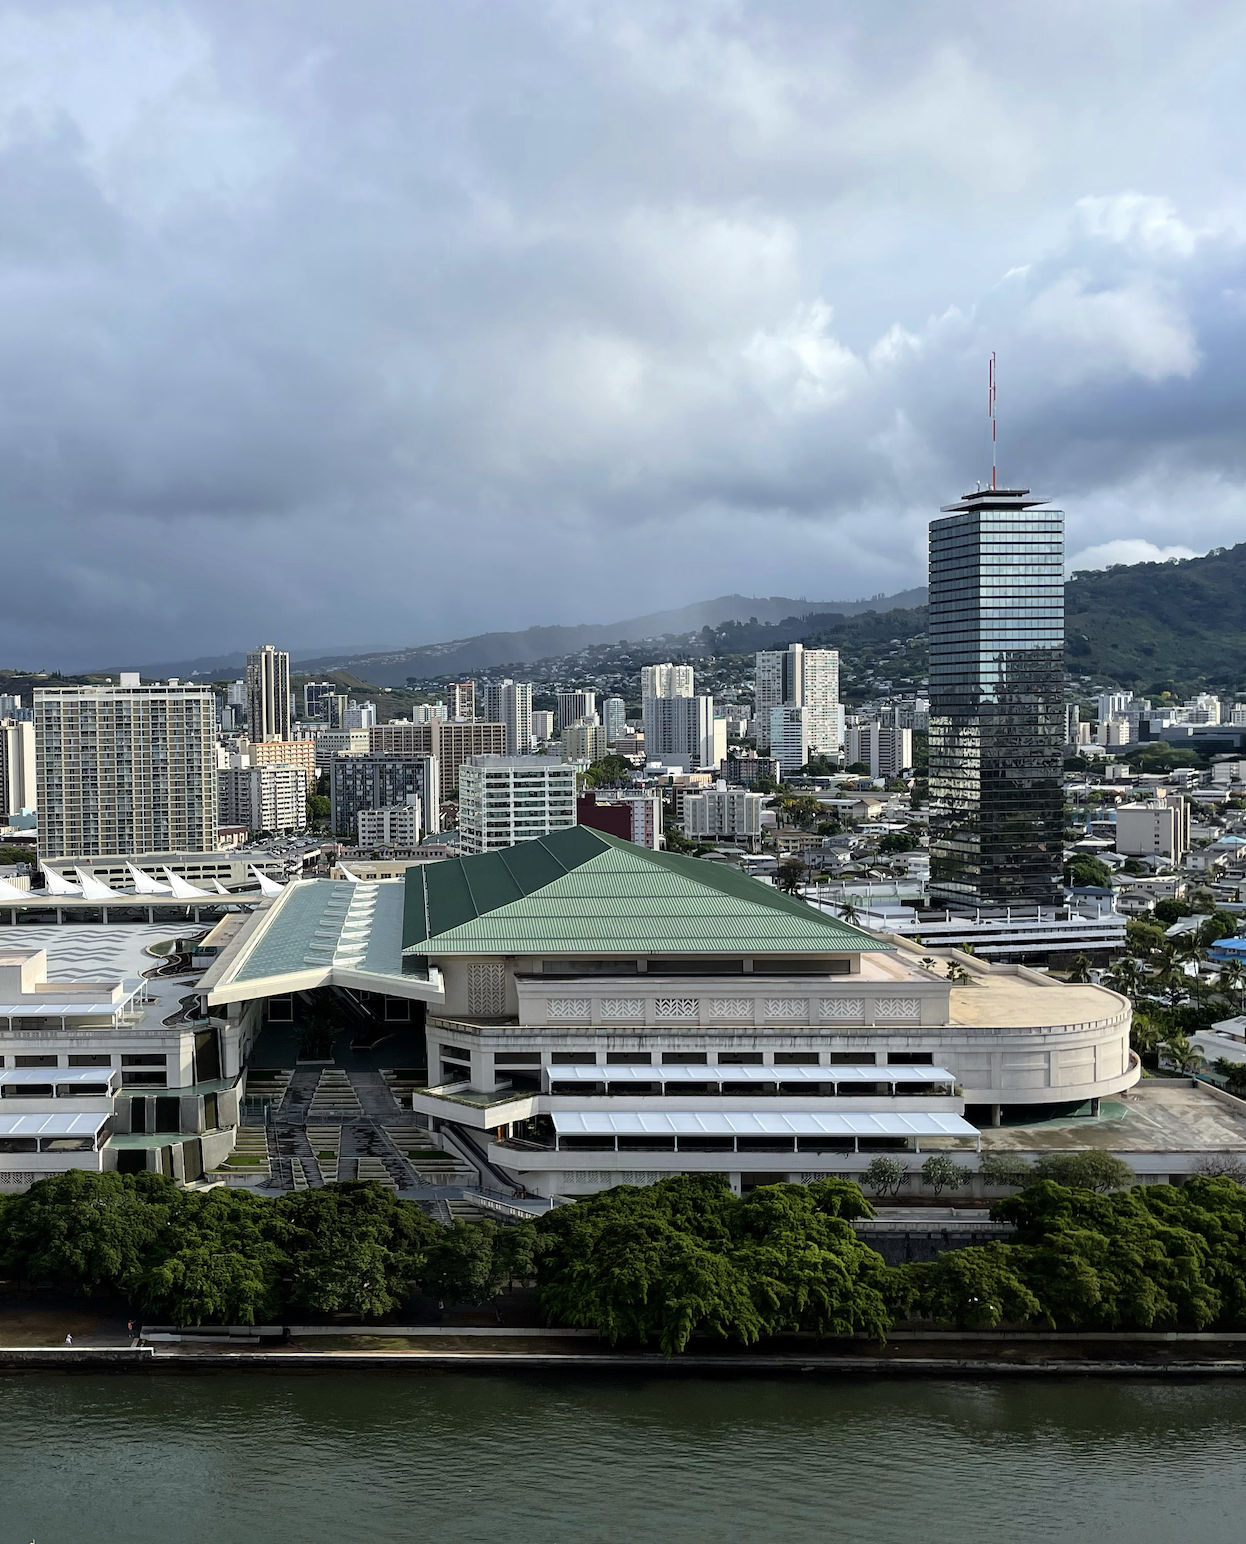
(323,922)
(584,892)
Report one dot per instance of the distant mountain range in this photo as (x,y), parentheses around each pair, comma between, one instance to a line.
(388,666)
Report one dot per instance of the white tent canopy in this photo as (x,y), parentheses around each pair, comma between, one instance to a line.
(55,885)
(182,890)
(144,884)
(94,889)
(267,886)
(10,892)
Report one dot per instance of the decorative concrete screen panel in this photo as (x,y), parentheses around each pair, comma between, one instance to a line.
(904,1008)
(842,1010)
(486,990)
(793,1009)
(622,1007)
(732,1009)
(676,1008)
(563,1008)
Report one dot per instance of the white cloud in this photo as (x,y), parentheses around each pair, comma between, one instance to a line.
(1126,550)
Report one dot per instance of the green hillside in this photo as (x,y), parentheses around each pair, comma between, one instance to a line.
(1156,627)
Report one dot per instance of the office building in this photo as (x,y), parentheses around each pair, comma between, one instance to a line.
(359,715)
(314,694)
(510,703)
(573,706)
(268,694)
(125,769)
(666,681)
(615,718)
(397,825)
(883,747)
(684,731)
(426,712)
(338,742)
(585,741)
(461,700)
(450,743)
(1072,724)
(17,768)
(236,695)
(723,813)
(800,678)
(504,800)
(1159,830)
(788,737)
(379,781)
(542,726)
(997,721)
(271,797)
(336,706)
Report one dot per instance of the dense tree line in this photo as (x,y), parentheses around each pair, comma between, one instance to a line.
(658,1263)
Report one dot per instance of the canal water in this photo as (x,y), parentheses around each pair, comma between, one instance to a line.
(459,1459)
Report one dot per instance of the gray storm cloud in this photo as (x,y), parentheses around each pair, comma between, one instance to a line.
(403,321)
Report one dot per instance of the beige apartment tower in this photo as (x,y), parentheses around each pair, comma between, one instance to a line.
(17,767)
(126,769)
(268,694)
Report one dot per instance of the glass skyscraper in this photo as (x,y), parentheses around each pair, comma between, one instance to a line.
(996,633)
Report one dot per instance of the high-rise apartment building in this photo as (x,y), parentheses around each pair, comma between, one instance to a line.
(314,694)
(125,769)
(268,693)
(800,678)
(666,681)
(271,797)
(450,743)
(17,767)
(882,746)
(573,706)
(585,741)
(684,730)
(614,718)
(997,722)
(376,782)
(461,699)
(510,703)
(542,725)
(398,825)
(360,715)
(788,736)
(723,812)
(508,799)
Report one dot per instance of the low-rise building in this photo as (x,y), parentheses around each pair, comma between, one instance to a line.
(732,813)
(1160,830)
(393,825)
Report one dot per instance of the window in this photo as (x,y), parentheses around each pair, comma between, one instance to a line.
(628,1059)
(798,1058)
(25,1091)
(144,1061)
(745,1059)
(851,1059)
(144,1079)
(910,1059)
(101,1059)
(35,1061)
(573,1059)
(517,1059)
(457,1052)
(684,1059)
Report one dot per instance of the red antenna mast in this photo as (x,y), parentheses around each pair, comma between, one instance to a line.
(990,412)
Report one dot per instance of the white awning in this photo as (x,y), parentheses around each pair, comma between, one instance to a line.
(56,1075)
(85,1124)
(722,1073)
(753,1123)
(54,1010)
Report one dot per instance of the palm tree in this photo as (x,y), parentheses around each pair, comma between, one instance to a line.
(1190,949)
(1080,973)
(1124,977)
(849,910)
(1232,979)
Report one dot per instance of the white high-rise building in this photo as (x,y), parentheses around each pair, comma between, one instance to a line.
(397,825)
(17,767)
(884,747)
(360,715)
(789,737)
(666,681)
(508,799)
(270,797)
(125,769)
(510,702)
(615,718)
(268,694)
(573,706)
(684,730)
(800,678)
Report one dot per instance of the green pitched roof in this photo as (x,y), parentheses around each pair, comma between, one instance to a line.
(584,892)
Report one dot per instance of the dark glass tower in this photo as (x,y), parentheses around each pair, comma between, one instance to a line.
(996,634)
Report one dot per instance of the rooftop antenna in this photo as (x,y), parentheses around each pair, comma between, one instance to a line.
(990,412)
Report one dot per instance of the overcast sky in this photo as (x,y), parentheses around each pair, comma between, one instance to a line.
(394,321)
